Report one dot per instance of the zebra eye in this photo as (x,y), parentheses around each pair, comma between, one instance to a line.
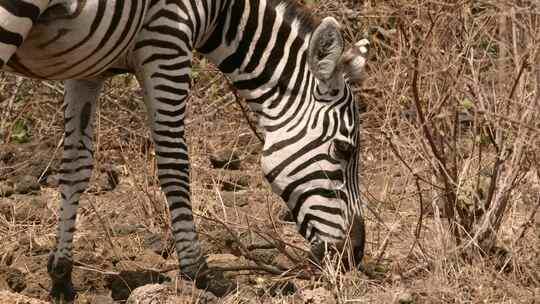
(343,150)
(334,92)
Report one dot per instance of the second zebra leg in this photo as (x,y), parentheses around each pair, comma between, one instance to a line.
(80,102)
(166,90)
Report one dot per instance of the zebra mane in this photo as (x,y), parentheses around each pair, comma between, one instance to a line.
(298,11)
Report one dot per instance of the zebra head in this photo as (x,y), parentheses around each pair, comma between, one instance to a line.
(311,155)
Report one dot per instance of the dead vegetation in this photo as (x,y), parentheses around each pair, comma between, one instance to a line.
(449,172)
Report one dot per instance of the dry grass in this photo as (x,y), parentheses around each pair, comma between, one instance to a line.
(461,72)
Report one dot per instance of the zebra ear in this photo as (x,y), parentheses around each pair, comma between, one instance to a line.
(325,50)
(354,60)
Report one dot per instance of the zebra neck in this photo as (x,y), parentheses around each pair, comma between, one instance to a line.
(261,45)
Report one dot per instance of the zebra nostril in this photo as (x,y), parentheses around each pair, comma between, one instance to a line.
(318,251)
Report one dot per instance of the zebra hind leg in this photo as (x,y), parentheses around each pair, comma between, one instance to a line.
(80,101)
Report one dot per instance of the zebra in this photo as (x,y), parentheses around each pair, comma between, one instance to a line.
(290,67)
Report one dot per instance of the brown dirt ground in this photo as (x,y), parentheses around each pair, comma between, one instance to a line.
(123,230)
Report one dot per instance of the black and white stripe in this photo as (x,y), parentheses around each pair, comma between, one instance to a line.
(17,18)
(292,70)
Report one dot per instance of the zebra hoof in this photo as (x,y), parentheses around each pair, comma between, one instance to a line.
(59,270)
(213,281)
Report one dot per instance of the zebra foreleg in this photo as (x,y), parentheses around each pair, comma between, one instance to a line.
(166,86)
(77,162)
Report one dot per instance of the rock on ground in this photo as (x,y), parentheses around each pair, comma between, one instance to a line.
(10,297)
(12,278)
(404,298)
(165,294)
(150,294)
(122,284)
(225,159)
(318,295)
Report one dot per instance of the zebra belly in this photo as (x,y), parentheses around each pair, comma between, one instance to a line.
(76,39)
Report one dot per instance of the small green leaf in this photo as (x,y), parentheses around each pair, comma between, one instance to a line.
(488,46)
(467,104)
(483,139)
(20,132)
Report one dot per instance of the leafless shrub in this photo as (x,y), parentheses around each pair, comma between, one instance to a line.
(465,122)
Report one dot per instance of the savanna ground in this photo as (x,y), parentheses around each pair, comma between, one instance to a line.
(450,118)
